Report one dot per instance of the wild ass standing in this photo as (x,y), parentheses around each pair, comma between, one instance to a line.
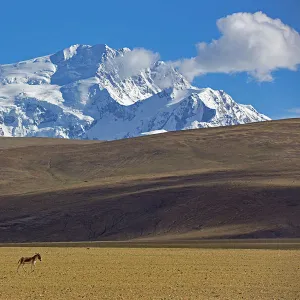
(29,260)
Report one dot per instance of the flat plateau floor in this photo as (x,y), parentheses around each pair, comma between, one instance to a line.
(151,273)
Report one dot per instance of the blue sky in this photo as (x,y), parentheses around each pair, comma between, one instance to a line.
(172,28)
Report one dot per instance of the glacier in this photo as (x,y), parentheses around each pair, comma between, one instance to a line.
(79,93)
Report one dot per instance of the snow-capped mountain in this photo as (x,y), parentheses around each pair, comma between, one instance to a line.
(80,92)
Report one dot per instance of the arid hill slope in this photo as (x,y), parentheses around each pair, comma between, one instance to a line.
(239,181)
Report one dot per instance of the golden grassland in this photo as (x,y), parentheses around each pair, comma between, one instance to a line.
(151,273)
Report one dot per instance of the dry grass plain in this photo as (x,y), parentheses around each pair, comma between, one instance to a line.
(144,273)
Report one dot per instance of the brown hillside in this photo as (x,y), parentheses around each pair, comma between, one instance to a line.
(239,181)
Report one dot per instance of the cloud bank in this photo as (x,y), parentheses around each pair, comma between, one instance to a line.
(252,43)
(133,62)
(294,111)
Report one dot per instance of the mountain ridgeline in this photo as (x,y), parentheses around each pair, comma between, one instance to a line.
(80,93)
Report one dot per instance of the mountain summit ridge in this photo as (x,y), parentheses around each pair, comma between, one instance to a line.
(95,92)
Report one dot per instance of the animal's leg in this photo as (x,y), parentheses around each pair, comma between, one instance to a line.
(23,268)
(19,264)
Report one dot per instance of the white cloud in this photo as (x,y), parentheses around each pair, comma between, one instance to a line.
(295,111)
(133,62)
(139,59)
(288,114)
(252,43)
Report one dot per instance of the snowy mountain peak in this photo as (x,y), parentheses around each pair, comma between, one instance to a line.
(82,51)
(96,92)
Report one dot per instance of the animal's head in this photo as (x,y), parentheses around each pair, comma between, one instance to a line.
(38,256)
